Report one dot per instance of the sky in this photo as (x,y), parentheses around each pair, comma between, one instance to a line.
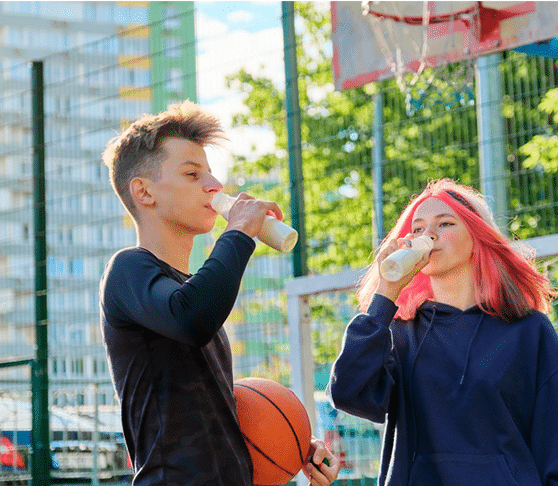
(231,36)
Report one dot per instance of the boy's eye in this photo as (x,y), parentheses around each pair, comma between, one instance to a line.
(417,230)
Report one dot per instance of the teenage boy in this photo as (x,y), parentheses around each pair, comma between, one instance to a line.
(168,353)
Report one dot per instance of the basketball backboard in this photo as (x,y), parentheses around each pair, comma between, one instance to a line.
(378,40)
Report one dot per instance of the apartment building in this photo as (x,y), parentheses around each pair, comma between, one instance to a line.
(105,63)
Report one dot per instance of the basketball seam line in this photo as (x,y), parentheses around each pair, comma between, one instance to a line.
(247,439)
(284,416)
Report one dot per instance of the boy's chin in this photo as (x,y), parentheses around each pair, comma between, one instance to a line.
(206,228)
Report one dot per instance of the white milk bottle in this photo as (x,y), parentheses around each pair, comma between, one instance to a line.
(274,233)
(402,261)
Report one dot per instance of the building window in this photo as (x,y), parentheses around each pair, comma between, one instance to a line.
(89,11)
(77,367)
(99,367)
(105,13)
(55,267)
(172,19)
(173,46)
(77,336)
(174,80)
(109,46)
(76,268)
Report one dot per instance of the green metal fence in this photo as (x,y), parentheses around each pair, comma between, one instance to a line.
(94,90)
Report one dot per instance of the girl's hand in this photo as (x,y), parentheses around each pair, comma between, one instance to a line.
(391,290)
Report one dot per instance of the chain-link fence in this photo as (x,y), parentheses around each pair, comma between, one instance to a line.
(95,89)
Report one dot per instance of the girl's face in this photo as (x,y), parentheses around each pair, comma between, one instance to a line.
(453,245)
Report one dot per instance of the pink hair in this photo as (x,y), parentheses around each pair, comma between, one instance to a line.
(507,284)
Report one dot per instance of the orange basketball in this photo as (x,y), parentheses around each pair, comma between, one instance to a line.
(276,429)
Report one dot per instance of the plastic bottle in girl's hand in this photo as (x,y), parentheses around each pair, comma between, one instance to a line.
(402,261)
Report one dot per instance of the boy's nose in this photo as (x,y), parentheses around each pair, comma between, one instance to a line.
(213,184)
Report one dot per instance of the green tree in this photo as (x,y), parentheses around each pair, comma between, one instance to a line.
(531,111)
(336,152)
(439,141)
(540,156)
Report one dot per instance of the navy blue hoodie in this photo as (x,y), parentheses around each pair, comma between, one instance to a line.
(470,399)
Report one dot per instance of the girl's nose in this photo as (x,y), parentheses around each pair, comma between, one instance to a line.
(429,231)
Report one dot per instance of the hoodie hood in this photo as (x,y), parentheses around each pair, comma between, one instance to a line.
(445,311)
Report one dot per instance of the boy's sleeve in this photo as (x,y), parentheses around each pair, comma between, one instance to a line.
(364,374)
(137,292)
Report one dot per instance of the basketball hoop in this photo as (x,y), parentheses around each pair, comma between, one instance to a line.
(431,46)
(404,41)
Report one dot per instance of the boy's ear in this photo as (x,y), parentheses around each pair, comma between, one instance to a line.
(140,191)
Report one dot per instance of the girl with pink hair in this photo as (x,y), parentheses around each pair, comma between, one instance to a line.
(458,355)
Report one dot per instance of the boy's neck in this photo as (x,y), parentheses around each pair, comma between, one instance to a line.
(171,247)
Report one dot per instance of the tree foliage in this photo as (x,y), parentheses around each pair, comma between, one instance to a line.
(439,141)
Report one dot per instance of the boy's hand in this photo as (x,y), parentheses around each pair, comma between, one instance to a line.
(322,467)
(247,214)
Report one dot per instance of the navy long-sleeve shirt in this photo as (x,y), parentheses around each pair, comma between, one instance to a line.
(171,364)
(470,400)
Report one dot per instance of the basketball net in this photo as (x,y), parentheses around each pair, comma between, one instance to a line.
(446,83)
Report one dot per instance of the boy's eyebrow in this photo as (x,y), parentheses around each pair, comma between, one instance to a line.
(436,217)
(195,164)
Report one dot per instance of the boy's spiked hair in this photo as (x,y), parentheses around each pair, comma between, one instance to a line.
(507,284)
(137,152)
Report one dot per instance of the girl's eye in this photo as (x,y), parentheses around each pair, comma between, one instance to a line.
(417,230)
(446,223)
(192,174)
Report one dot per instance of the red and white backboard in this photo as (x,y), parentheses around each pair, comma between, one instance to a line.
(367,46)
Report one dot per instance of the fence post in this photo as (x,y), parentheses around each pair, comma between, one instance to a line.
(302,359)
(96,436)
(40,444)
(300,266)
(377,166)
(492,154)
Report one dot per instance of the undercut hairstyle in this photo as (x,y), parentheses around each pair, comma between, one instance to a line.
(507,283)
(138,151)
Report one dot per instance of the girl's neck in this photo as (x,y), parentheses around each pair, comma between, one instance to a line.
(456,291)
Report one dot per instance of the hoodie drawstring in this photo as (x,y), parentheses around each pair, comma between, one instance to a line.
(411,379)
(469,349)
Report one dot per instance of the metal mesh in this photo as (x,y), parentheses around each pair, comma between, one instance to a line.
(100,81)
